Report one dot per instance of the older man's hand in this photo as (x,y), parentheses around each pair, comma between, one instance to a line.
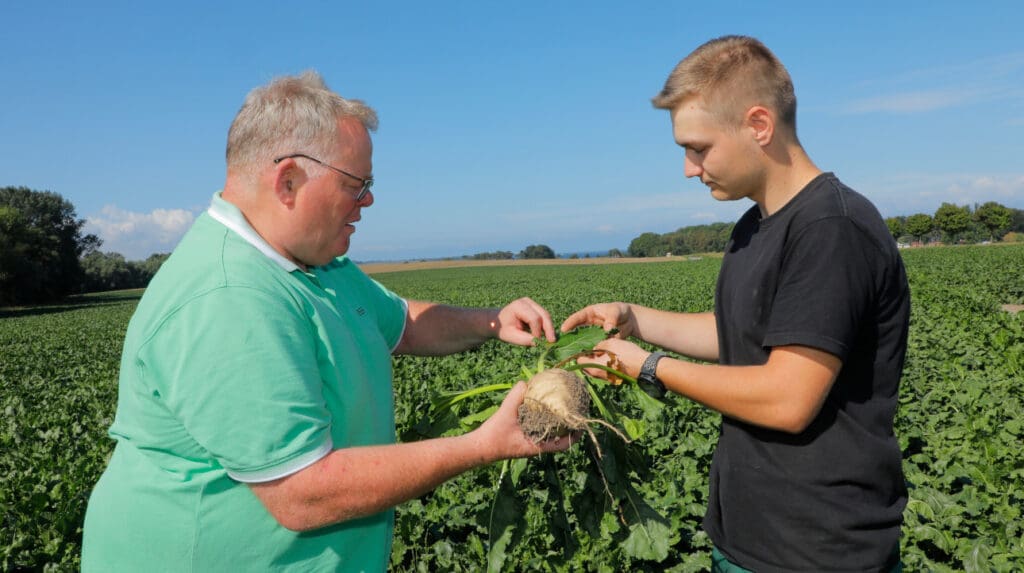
(521,321)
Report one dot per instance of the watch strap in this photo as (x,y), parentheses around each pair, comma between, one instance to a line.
(648,378)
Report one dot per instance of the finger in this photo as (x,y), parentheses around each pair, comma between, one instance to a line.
(534,325)
(547,326)
(518,391)
(556,444)
(609,324)
(518,336)
(575,319)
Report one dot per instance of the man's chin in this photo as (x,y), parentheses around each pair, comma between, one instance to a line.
(720,195)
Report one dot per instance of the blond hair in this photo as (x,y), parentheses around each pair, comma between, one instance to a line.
(291,114)
(730,75)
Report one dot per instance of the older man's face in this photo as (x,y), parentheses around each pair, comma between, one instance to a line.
(327,205)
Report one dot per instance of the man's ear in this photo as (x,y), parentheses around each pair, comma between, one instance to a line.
(287,178)
(761,123)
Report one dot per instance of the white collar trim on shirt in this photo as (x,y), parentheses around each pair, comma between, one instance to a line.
(229,216)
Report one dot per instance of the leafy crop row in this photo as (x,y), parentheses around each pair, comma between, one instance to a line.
(959,422)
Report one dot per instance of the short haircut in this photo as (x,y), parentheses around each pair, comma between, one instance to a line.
(731,74)
(291,114)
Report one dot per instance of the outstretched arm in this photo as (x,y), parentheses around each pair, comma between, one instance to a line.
(690,334)
(355,482)
(435,329)
(786,393)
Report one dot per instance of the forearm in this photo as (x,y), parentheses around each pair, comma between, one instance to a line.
(690,334)
(356,482)
(436,329)
(784,394)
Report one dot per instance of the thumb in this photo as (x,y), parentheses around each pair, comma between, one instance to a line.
(515,396)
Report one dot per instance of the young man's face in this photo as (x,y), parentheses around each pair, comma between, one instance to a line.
(725,158)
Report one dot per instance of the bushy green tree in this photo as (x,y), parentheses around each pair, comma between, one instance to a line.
(919,225)
(537,252)
(995,218)
(1017,220)
(110,271)
(647,245)
(952,220)
(41,240)
(896,225)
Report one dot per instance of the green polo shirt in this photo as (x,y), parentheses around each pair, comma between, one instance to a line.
(240,367)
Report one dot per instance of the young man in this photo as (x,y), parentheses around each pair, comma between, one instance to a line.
(255,424)
(809,332)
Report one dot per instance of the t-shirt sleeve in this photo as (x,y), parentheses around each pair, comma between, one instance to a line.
(238,368)
(825,288)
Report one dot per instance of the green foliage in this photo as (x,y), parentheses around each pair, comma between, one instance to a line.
(994,217)
(952,220)
(919,225)
(110,271)
(537,252)
(962,410)
(959,423)
(40,243)
(895,225)
(647,245)
(58,389)
(686,240)
(495,256)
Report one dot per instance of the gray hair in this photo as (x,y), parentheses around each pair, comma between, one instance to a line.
(291,114)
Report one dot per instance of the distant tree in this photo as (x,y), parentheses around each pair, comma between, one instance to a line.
(1017,220)
(41,240)
(952,220)
(110,271)
(496,255)
(615,253)
(106,271)
(919,225)
(995,218)
(895,225)
(647,245)
(537,252)
(151,265)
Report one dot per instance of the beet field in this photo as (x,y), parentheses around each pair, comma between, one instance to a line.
(607,505)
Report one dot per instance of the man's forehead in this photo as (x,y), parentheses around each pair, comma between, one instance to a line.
(691,121)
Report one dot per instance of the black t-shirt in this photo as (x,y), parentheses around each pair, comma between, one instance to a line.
(822,272)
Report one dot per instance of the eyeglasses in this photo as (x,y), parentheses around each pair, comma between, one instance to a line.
(366,183)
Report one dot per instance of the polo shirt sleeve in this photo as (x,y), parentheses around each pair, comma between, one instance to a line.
(237,367)
(825,288)
(390,310)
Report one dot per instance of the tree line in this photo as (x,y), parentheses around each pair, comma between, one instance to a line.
(955,224)
(45,255)
(950,224)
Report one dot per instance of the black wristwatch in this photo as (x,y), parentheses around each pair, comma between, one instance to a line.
(648,380)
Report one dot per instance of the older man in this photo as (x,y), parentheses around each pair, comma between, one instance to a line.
(255,421)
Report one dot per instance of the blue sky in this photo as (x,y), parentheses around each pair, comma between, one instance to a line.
(503,124)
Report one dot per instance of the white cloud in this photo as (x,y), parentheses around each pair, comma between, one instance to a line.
(980,81)
(909,193)
(138,235)
(916,102)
